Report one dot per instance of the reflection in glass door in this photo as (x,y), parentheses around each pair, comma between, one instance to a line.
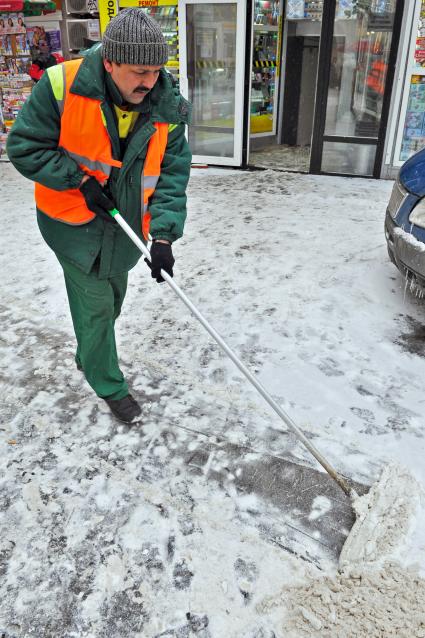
(212,66)
(361,47)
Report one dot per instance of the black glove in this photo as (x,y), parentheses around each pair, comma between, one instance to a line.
(161,258)
(96,200)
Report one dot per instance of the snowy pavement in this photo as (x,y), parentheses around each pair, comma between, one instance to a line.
(194,523)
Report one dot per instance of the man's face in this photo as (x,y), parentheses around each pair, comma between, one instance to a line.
(134,81)
(42,53)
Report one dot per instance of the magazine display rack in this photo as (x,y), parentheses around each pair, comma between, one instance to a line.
(19,35)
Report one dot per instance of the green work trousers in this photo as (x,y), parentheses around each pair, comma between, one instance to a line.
(95,304)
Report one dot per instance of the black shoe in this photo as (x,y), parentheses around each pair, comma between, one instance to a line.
(126,409)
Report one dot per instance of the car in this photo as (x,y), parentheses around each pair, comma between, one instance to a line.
(405,222)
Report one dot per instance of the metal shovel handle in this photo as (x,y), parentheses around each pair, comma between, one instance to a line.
(238,363)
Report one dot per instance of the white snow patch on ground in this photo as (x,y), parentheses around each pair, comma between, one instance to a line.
(169,529)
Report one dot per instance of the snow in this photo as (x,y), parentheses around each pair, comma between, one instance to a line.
(384,519)
(179,527)
(410,239)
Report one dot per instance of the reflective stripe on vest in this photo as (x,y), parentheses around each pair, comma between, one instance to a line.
(84,137)
(57,81)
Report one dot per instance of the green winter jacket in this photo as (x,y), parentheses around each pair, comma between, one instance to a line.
(33,148)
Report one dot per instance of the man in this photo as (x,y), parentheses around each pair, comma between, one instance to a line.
(42,59)
(103,132)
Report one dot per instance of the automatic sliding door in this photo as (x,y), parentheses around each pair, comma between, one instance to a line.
(212,65)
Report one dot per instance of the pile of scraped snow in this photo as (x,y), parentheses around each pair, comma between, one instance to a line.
(384,519)
(388,601)
(372,595)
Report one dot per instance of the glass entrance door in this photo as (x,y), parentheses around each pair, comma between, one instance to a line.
(283,82)
(356,90)
(212,60)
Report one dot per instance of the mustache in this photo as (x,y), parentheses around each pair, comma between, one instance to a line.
(141,89)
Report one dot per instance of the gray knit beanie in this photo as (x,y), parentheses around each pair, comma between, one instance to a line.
(132,37)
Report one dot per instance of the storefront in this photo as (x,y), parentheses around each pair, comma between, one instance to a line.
(304,85)
(301,85)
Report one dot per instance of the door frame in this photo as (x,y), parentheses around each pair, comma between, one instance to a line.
(319,121)
(236,159)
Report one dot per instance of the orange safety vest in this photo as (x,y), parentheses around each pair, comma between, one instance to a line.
(84,137)
(376,78)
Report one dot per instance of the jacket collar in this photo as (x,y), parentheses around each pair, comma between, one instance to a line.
(166,103)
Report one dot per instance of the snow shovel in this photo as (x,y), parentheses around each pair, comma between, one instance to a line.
(223,345)
(383,514)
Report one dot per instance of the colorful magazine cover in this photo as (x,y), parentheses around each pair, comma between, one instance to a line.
(5,45)
(35,34)
(12,23)
(54,40)
(51,34)
(22,46)
(414,120)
